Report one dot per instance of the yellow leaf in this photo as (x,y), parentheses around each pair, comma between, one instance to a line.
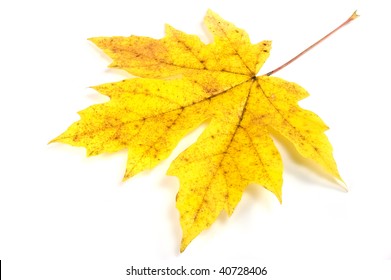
(183,83)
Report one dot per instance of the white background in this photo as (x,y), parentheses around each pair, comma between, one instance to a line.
(65,216)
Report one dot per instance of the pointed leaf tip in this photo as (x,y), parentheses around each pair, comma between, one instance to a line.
(342,184)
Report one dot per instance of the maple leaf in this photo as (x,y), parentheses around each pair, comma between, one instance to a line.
(183,83)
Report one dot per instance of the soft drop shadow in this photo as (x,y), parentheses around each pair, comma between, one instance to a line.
(172,212)
(301,165)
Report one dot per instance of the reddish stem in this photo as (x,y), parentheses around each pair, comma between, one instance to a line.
(352,17)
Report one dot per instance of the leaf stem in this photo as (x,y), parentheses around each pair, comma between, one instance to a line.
(351,18)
